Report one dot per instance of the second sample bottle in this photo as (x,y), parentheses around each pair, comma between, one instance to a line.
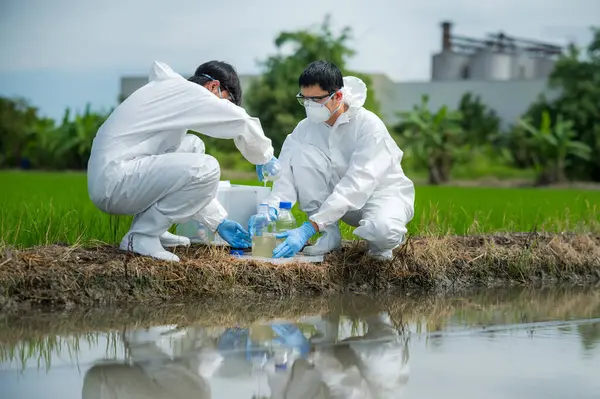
(285,220)
(263,238)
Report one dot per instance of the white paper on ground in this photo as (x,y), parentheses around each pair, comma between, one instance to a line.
(297,258)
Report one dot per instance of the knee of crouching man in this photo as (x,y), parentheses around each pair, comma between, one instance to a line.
(206,169)
(389,233)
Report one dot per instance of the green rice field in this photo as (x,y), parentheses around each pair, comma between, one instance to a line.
(39,208)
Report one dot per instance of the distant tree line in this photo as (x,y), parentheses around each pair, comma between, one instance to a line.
(559,139)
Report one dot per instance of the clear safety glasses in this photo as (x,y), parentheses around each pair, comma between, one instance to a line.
(317,99)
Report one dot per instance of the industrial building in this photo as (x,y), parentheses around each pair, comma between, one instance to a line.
(507,73)
(499,57)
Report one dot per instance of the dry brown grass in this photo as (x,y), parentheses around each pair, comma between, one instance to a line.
(65,276)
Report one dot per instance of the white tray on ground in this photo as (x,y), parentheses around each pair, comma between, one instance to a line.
(297,258)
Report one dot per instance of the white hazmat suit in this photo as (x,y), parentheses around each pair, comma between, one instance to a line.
(349,171)
(143,163)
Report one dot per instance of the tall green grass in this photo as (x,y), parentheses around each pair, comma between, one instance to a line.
(41,208)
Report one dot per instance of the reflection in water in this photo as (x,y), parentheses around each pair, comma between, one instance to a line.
(507,344)
(590,335)
(41,351)
(172,363)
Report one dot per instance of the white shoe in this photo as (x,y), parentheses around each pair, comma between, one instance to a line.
(387,254)
(171,240)
(381,255)
(329,241)
(148,246)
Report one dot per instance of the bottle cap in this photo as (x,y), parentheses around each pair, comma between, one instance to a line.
(236,252)
(285,205)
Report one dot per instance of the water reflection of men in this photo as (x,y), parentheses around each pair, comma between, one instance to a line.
(371,366)
(154,374)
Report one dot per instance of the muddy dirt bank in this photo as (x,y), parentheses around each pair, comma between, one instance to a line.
(63,276)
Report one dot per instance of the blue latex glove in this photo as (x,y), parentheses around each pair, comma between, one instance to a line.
(290,335)
(273,213)
(234,234)
(236,341)
(259,170)
(232,339)
(295,240)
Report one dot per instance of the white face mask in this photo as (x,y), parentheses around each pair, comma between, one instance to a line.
(319,113)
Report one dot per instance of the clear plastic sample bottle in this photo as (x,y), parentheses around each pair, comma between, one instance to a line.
(263,238)
(285,220)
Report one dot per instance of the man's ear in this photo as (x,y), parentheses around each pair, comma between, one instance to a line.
(212,86)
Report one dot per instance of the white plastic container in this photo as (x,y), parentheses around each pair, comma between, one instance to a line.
(239,201)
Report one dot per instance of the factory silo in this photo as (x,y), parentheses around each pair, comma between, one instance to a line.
(523,66)
(488,64)
(449,65)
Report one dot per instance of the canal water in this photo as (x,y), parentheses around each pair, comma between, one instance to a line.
(490,344)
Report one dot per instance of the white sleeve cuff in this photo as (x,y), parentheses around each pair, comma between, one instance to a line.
(212,215)
(321,224)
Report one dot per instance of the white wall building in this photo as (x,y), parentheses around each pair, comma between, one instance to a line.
(508,74)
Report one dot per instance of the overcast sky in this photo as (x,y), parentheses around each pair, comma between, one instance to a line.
(60,53)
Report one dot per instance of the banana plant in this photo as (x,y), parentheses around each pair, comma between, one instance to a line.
(78,135)
(552,146)
(42,144)
(436,140)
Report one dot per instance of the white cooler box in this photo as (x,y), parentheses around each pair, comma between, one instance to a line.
(241,202)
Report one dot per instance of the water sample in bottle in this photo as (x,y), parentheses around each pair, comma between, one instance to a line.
(263,238)
(285,220)
(271,170)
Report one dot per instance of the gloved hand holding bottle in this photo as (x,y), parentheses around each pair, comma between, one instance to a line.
(272,169)
(273,214)
(234,234)
(295,240)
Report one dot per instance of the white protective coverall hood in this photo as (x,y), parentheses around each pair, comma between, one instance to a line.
(143,163)
(350,171)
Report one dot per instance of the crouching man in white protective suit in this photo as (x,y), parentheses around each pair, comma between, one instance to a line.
(340,163)
(143,163)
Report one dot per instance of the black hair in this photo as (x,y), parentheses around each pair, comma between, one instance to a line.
(224,73)
(323,73)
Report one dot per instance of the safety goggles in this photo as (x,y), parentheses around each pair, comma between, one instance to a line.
(317,99)
(230,97)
